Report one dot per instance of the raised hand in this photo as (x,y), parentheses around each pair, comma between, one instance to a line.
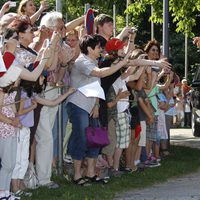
(46,53)
(43,5)
(55,38)
(196,41)
(162,64)
(6,7)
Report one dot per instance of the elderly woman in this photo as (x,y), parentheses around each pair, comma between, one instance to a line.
(81,109)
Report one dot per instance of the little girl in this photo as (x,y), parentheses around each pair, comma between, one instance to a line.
(25,113)
(180,110)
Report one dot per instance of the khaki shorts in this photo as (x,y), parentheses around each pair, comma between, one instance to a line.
(123,130)
(110,149)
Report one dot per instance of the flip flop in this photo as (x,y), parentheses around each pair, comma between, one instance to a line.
(81,182)
(96,179)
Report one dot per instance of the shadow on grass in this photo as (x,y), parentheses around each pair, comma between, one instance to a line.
(172,166)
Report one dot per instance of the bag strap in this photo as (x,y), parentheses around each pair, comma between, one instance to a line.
(94,122)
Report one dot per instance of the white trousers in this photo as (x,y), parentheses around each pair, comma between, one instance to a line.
(44,139)
(8,148)
(21,165)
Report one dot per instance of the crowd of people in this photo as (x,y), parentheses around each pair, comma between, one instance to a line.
(142,95)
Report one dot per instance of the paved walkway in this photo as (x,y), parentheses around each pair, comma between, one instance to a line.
(183,188)
(184,137)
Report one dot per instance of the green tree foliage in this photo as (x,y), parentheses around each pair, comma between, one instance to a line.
(184,13)
(177,52)
(37,2)
(184,18)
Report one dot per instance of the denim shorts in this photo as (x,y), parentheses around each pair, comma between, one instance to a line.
(77,146)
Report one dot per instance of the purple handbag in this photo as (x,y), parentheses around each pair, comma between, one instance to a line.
(97,137)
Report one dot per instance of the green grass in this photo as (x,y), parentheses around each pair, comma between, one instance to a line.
(184,161)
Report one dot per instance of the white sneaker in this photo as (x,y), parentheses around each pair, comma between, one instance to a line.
(12,197)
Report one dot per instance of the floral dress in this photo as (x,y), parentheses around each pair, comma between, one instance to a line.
(7,130)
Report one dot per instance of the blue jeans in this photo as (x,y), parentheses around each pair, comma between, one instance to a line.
(143,156)
(77,146)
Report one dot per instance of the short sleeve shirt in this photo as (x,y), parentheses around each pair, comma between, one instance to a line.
(122,104)
(152,97)
(80,76)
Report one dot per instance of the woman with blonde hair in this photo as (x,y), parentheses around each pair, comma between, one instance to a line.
(28,8)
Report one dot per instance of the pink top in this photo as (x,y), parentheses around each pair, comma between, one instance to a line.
(7,130)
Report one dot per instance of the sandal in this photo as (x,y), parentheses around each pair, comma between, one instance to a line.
(130,170)
(96,179)
(81,182)
(3,198)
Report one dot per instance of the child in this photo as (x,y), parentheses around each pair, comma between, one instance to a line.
(118,104)
(35,89)
(26,117)
(153,136)
(180,109)
(8,140)
(187,111)
(144,112)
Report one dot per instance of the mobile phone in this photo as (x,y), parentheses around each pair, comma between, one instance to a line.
(133,30)
(12,4)
(47,42)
